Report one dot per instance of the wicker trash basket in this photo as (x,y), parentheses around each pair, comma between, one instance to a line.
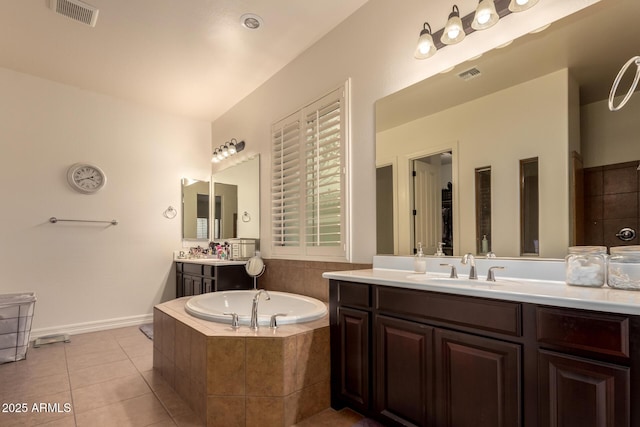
(16,314)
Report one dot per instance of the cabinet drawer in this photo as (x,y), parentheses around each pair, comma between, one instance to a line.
(209,270)
(478,313)
(189,268)
(594,332)
(354,295)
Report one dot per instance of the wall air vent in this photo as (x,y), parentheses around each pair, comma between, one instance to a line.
(469,74)
(76,10)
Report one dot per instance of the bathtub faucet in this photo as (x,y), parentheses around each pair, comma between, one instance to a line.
(254,308)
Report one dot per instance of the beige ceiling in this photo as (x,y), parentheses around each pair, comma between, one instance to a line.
(188,57)
(593,43)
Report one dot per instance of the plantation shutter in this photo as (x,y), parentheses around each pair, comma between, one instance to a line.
(285,188)
(323,159)
(308,179)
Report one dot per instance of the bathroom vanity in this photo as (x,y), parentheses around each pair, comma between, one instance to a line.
(199,276)
(427,351)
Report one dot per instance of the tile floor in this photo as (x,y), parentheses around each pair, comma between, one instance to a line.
(103,379)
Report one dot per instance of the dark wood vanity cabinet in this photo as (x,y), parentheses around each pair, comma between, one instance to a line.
(418,358)
(196,279)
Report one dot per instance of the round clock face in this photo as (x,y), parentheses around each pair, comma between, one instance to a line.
(86,178)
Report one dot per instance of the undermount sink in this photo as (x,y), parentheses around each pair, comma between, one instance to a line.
(463,281)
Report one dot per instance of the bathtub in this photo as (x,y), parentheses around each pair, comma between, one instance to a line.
(297,308)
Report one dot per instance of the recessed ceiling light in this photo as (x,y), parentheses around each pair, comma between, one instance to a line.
(251,21)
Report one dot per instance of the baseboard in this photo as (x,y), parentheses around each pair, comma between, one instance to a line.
(100,325)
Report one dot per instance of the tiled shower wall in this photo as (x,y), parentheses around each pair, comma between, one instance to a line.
(302,277)
(612,202)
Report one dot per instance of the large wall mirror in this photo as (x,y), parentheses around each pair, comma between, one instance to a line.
(236,201)
(545,97)
(195,209)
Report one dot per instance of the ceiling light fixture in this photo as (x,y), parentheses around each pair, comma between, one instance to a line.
(426,47)
(227,150)
(486,15)
(454,30)
(520,5)
(251,21)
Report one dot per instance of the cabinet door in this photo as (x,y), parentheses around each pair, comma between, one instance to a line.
(179,285)
(582,392)
(207,285)
(477,381)
(187,285)
(197,286)
(403,375)
(354,357)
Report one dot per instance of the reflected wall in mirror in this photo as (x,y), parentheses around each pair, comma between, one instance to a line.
(529,207)
(195,209)
(543,96)
(237,201)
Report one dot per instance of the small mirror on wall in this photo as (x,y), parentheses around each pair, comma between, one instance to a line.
(195,209)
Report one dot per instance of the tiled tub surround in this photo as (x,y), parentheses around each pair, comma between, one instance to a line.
(240,377)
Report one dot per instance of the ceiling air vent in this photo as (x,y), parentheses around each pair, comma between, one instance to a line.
(76,10)
(469,74)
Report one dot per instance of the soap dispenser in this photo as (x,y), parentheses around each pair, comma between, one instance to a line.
(420,262)
(484,244)
(440,252)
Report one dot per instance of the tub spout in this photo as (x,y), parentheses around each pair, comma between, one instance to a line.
(254,308)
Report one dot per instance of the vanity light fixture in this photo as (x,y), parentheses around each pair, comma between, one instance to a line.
(426,47)
(486,15)
(454,30)
(227,150)
(520,5)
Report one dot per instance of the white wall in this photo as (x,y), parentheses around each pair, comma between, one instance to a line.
(374,48)
(610,137)
(90,273)
(527,120)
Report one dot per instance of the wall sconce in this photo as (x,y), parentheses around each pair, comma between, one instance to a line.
(454,30)
(228,149)
(520,5)
(486,15)
(426,47)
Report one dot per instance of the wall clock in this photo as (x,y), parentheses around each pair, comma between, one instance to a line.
(86,178)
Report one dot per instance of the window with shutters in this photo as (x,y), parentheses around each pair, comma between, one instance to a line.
(309,179)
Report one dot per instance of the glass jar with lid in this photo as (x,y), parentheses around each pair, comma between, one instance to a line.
(624,267)
(586,266)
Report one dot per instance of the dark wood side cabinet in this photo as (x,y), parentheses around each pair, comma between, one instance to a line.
(196,279)
(419,358)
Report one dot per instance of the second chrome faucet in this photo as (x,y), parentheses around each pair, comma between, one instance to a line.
(470,259)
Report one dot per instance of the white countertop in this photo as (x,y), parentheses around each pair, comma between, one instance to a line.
(209,261)
(546,292)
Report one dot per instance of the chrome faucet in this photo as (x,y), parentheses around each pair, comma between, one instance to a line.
(254,308)
(473,275)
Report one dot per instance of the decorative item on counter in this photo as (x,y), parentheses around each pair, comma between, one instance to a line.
(586,266)
(624,268)
(440,252)
(420,263)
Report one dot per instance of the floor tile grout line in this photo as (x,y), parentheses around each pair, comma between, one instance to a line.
(73,406)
